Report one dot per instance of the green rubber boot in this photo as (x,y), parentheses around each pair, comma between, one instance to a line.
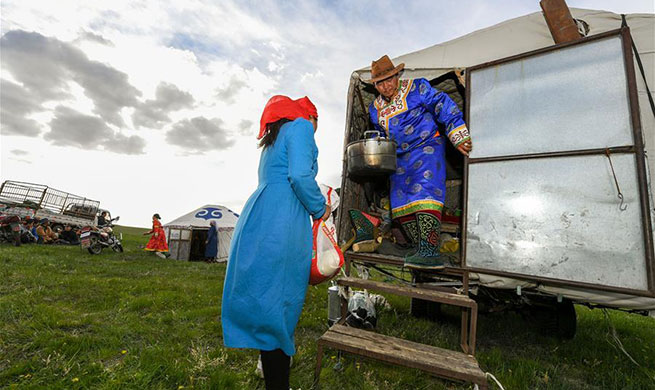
(364,228)
(427,256)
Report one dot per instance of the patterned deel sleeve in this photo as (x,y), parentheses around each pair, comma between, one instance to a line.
(447,113)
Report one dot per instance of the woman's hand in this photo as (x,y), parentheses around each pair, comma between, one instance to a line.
(328,211)
(465,147)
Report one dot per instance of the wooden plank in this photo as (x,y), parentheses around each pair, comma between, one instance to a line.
(396,342)
(433,358)
(414,292)
(438,361)
(432,362)
(559,20)
(397,261)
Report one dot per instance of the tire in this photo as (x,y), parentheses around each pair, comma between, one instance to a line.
(566,319)
(556,319)
(95,248)
(118,248)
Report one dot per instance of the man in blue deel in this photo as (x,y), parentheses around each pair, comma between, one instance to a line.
(418,118)
(211,243)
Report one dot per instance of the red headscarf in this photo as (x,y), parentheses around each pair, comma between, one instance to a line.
(308,106)
(279,107)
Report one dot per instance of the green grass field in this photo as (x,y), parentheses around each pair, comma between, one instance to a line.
(69,320)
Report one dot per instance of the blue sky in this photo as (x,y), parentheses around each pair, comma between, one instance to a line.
(166,95)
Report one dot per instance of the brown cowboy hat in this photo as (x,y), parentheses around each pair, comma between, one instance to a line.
(383,68)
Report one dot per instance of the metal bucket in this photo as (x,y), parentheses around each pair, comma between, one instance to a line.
(374,156)
(334,305)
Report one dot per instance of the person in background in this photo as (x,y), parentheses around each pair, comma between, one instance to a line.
(69,236)
(420,119)
(157,242)
(33,228)
(211,243)
(45,233)
(102,219)
(270,257)
(26,235)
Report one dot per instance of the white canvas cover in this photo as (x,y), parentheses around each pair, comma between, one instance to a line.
(524,34)
(199,218)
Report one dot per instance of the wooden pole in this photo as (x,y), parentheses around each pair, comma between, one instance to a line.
(559,20)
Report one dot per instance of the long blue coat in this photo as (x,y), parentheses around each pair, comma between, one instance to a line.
(211,249)
(270,255)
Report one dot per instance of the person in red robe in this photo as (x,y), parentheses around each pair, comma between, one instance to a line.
(157,241)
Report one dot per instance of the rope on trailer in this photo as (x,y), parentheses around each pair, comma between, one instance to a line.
(615,341)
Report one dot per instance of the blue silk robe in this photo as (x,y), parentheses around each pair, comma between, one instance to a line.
(419,118)
(271,250)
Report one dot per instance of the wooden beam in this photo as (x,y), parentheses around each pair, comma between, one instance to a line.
(559,20)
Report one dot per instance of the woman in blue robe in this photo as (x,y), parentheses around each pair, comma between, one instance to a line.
(211,243)
(419,118)
(270,255)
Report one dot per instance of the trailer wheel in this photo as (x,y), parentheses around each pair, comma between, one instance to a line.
(566,319)
(556,319)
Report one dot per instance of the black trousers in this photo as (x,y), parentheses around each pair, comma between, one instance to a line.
(275,365)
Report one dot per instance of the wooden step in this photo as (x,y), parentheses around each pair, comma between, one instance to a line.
(408,291)
(437,361)
(377,258)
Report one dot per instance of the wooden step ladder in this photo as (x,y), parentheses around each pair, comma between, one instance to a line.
(437,361)
(453,365)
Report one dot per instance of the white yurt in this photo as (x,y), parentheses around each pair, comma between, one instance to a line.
(186,235)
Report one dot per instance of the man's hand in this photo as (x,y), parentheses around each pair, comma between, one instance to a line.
(328,211)
(465,147)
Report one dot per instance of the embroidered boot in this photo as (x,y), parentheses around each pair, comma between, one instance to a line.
(363,224)
(427,256)
(411,229)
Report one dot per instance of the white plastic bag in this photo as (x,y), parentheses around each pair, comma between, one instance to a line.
(327,257)
(331,196)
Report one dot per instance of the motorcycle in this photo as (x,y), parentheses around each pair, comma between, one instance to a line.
(95,239)
(10,229)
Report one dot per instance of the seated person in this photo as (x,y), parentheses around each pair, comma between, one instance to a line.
(69,236)
(33,230)
(45,233)
(102,219)
(27,233)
